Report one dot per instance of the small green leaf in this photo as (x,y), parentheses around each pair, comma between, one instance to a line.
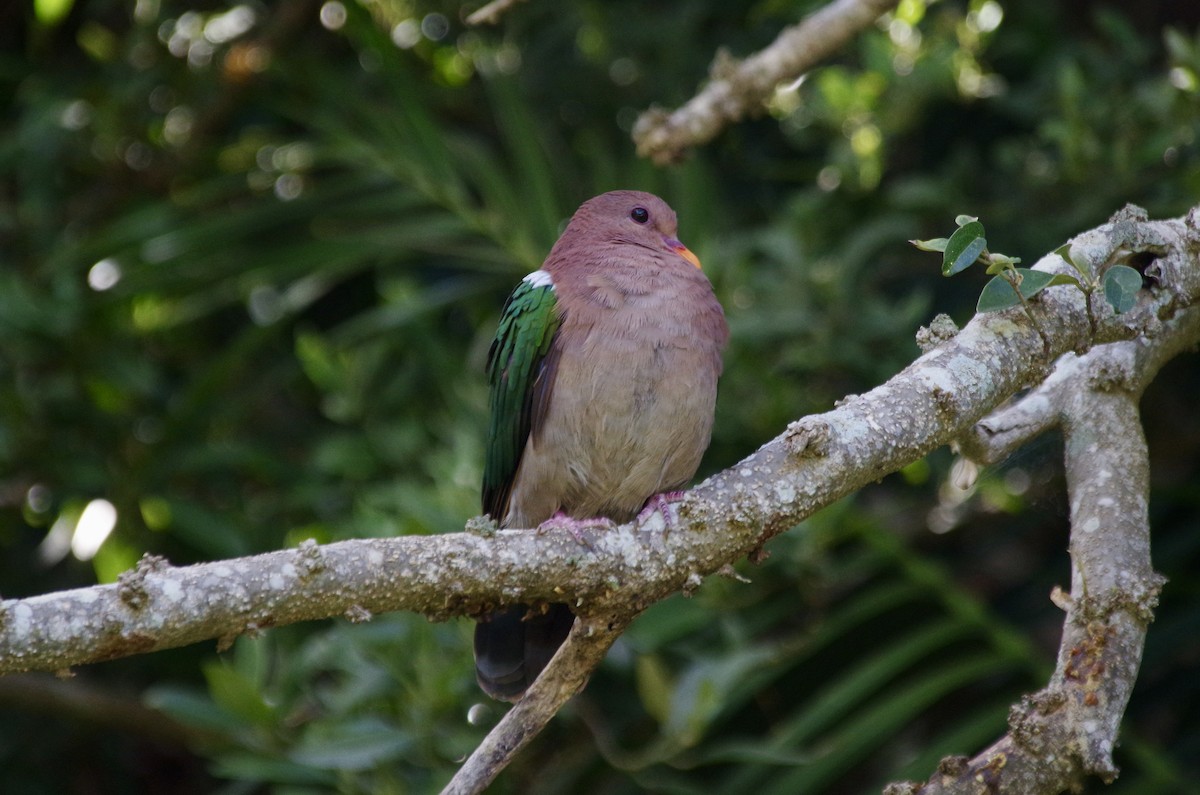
(937,244)
(1000,262)
(1063,278)
(999,293)
(963,220)
(1121,286)
(963,248)
(1064,251)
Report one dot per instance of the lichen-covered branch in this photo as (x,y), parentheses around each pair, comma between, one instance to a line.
(1133,364)
(1069,729)
(617,573)
(740,88)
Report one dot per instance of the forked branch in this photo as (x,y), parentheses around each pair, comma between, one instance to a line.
(937,399)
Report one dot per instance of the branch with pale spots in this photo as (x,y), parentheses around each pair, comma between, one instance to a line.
(740,88)
(1093,399)
(1092,371)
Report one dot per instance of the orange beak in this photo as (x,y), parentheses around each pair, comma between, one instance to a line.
(683,251)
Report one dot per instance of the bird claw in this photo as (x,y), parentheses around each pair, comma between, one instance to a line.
(576,527)
(662,504)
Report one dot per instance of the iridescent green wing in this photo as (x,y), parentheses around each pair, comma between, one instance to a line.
(520,371)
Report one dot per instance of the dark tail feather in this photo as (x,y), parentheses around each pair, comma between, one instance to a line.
(512,647)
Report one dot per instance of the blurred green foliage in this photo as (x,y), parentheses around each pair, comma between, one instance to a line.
(251,258)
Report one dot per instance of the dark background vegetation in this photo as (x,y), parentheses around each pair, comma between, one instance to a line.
(313,213)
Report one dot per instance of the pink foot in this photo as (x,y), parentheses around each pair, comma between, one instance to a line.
(576,527)
(662,504)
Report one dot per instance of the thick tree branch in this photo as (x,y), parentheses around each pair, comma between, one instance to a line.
(815,461)
(1069,729)
(740,88)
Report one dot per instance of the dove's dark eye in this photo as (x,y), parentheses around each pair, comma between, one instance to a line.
(640,214)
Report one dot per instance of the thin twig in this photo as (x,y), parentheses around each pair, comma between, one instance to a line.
(566,674)
(741,88)
(490,14)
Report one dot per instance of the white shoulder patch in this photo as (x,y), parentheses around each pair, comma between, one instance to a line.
(539,278)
